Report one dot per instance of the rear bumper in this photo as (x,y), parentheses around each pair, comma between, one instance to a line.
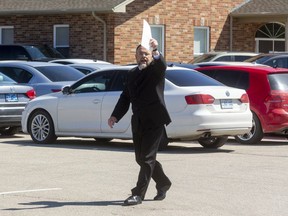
(276,121)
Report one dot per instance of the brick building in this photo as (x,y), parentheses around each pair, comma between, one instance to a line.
(111,29)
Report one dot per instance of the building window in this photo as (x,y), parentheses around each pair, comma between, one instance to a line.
(201,40)
(61,39)
(158,34)
(270,38)
(6,34)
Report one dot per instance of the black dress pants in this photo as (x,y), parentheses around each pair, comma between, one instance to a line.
(146,143)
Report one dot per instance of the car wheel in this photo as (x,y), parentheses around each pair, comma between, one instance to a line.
(254,136)
(213,142)
(9,131)
(41,128)
(103,139)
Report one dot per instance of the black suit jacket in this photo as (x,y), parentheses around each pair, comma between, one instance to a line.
(145,91)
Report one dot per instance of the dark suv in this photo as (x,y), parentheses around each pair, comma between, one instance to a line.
(276,60)
(28,53)
(267,88)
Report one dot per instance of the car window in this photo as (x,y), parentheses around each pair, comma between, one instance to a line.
(224,58)
(278,62)
(278,81)
(83,70)
(237,79)
(60,73)
(189,78)
(241,58)
(94,83)
(119,81)
(17,74)
(5,79)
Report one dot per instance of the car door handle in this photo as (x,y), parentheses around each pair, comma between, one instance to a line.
(96,101)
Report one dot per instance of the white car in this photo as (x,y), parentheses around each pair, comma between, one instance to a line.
(223,56)
(200,107)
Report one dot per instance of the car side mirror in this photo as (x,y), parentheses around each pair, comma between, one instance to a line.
(66,90)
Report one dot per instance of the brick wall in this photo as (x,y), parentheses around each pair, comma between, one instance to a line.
(179,17)
(124,29)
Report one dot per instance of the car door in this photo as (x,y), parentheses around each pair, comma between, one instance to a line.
(80,111)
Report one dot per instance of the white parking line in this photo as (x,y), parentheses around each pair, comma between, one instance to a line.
(28,191)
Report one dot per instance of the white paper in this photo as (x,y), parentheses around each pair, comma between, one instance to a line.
(146,35)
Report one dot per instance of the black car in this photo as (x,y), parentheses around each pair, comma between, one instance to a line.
(28,52)
(276,60)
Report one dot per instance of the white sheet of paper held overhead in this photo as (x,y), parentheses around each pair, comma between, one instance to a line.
(146,35)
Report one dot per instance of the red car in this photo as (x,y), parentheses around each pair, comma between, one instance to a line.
(267,89)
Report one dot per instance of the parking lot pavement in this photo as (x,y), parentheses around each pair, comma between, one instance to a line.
(82,177)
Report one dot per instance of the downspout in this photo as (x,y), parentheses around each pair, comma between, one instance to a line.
(104,35)
(286,35)
(231,33)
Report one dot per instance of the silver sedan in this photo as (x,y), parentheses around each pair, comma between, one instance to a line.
(44,77)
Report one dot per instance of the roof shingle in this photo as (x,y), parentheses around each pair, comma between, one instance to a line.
(261,7)
(36,6)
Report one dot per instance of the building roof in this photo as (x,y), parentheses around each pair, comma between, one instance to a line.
(9,7)
(261,8)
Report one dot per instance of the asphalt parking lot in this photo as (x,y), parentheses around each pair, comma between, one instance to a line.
(82,177)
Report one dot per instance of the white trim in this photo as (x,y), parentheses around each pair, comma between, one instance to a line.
(54,34)
(122,6)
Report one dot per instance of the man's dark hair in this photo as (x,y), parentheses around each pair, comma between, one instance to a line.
(138,47)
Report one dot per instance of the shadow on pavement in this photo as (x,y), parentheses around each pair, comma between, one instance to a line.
(55,204)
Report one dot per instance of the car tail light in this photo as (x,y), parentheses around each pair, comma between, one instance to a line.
(276,99)
(199,99)
(244,98)
(31,94)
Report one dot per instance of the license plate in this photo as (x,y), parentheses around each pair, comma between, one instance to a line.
(11,97)
(226,104)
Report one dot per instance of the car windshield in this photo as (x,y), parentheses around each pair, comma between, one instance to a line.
(279,81)
(190,78)
(5,79)
(60,73)
(35,52)
(202,58)
(258,59)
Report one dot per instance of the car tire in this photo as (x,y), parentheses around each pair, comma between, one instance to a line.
(254,136)
(41,127)
(213,142)
(9,131)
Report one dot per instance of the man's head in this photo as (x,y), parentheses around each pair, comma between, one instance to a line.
(143,57)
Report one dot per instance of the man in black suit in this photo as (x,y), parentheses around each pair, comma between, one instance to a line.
(145,91)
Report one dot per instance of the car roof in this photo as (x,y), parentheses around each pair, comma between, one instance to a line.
(254,69)
(93,65)
(222,63)
(30,63)
(79,60)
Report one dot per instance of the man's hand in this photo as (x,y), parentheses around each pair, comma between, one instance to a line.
(111,121)
(153,43)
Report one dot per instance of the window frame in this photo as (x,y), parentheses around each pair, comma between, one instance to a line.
(1,33)
(55,36)
(161,45)
(207,40)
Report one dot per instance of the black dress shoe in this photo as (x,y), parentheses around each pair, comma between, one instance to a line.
(133,200)
(161,194)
